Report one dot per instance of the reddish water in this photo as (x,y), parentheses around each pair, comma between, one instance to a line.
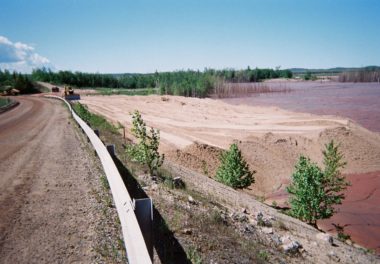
(357,101)
(360,211)
(359,214)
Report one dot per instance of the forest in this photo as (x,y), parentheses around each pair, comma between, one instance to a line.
(21,82)
(186,83)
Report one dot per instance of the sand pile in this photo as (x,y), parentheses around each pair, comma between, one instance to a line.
(271,139)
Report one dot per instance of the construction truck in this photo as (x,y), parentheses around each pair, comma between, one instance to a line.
(55,89)
(69,94)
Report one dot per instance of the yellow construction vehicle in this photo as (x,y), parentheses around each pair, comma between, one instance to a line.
(69,94)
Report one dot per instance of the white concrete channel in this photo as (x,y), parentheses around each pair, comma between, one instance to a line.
(137,251)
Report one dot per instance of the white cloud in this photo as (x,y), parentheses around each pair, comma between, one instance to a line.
(20,57)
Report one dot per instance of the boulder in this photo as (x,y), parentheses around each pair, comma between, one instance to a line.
(325,237)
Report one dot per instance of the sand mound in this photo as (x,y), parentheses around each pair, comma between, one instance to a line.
(271,139)
(273,157)
(198,157)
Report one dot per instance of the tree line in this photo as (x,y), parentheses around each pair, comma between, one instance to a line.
(21,82)
(185,83)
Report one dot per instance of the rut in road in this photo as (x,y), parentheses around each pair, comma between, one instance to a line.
(48,213)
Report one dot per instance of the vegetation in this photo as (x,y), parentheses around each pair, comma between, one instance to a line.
(146,150)
(185,83)
(309,77)
(94,120)
(314,192)
(16,80)
(4,101)
(341,235)
(118,91)
(369,74)
(234,170)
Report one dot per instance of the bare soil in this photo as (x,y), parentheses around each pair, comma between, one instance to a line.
(195,131)
(51,199)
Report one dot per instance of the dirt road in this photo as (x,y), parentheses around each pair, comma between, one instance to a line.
(47,211)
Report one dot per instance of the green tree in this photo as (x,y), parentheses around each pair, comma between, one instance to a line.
(146,150)
(234,170)
(315,192)
(334,182)
(307,193)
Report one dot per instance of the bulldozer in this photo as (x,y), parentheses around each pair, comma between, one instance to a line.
(69,94)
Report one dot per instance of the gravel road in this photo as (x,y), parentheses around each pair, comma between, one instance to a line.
(48,213)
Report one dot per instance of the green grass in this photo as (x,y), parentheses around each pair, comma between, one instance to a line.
(4,101)
(95,121)
(123,91)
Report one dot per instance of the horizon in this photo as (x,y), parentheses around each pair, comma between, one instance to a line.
(147,36)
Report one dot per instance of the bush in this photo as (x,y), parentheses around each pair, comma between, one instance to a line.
(307,191)
(334,183)
(146,150)
(314,192)
(234,170)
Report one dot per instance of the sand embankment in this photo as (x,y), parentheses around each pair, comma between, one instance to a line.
(195,131)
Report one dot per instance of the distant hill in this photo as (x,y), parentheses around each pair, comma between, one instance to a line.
(333,70)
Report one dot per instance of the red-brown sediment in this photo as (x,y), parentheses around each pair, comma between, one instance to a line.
(359,213)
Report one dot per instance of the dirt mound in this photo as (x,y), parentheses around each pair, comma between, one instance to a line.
(198,157)
(274,156)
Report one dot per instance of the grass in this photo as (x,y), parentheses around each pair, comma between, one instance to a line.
(123,91)
(193,255)
(4,101)
(96,121)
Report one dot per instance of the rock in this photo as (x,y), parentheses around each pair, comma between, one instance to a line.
(348,242)
(325,237)
(239,217)
(243,210)
(249,229)
(267,230)
(358,246)
(187,231)
(178,183)
(276,239)
(191,200)
(291,247)
(154,187)
(285,239)
(333,256)
(262,221)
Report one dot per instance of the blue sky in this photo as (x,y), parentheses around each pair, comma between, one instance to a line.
(144,36)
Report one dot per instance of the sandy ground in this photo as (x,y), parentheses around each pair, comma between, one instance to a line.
(270,138)
(195,131)
(182,121)
(47,214)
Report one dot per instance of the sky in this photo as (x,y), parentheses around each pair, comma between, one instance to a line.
(118,36)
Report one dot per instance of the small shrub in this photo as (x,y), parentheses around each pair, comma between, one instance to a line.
(314,192)
(216,218)
(104,181)
(234,170)
(193,255)
(306,191)
(341,235)
(146,150)
(204,167)
(263,255)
